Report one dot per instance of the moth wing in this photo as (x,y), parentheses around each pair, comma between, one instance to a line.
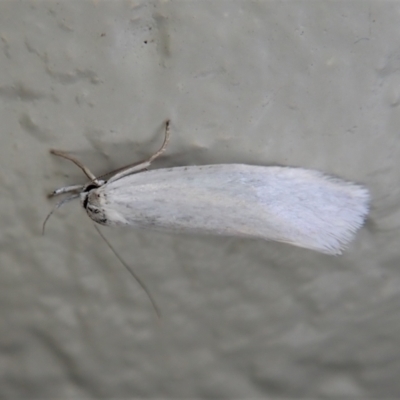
(292,205)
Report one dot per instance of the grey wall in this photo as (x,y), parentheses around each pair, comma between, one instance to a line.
(307,83)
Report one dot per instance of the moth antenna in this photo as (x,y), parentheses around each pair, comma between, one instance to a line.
(56,207)
(116,171)
(142,165)
(83,167)
(138,280)
(165,143)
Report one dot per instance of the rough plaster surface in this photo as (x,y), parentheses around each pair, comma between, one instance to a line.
(307,83)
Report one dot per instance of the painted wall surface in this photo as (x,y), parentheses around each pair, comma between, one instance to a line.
(306,83)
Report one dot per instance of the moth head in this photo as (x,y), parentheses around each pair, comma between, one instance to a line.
(84,194)
(91,202)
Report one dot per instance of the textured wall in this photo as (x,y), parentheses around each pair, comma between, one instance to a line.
(306,83)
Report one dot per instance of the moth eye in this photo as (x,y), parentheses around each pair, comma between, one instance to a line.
(85,202)
(90,187)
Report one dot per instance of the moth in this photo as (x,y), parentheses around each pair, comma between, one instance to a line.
(301,207)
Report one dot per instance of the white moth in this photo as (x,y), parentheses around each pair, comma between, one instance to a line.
(301,207)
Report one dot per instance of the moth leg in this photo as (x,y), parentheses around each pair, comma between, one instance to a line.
(140,166)
(56,207)
(84,168)
(66,189)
